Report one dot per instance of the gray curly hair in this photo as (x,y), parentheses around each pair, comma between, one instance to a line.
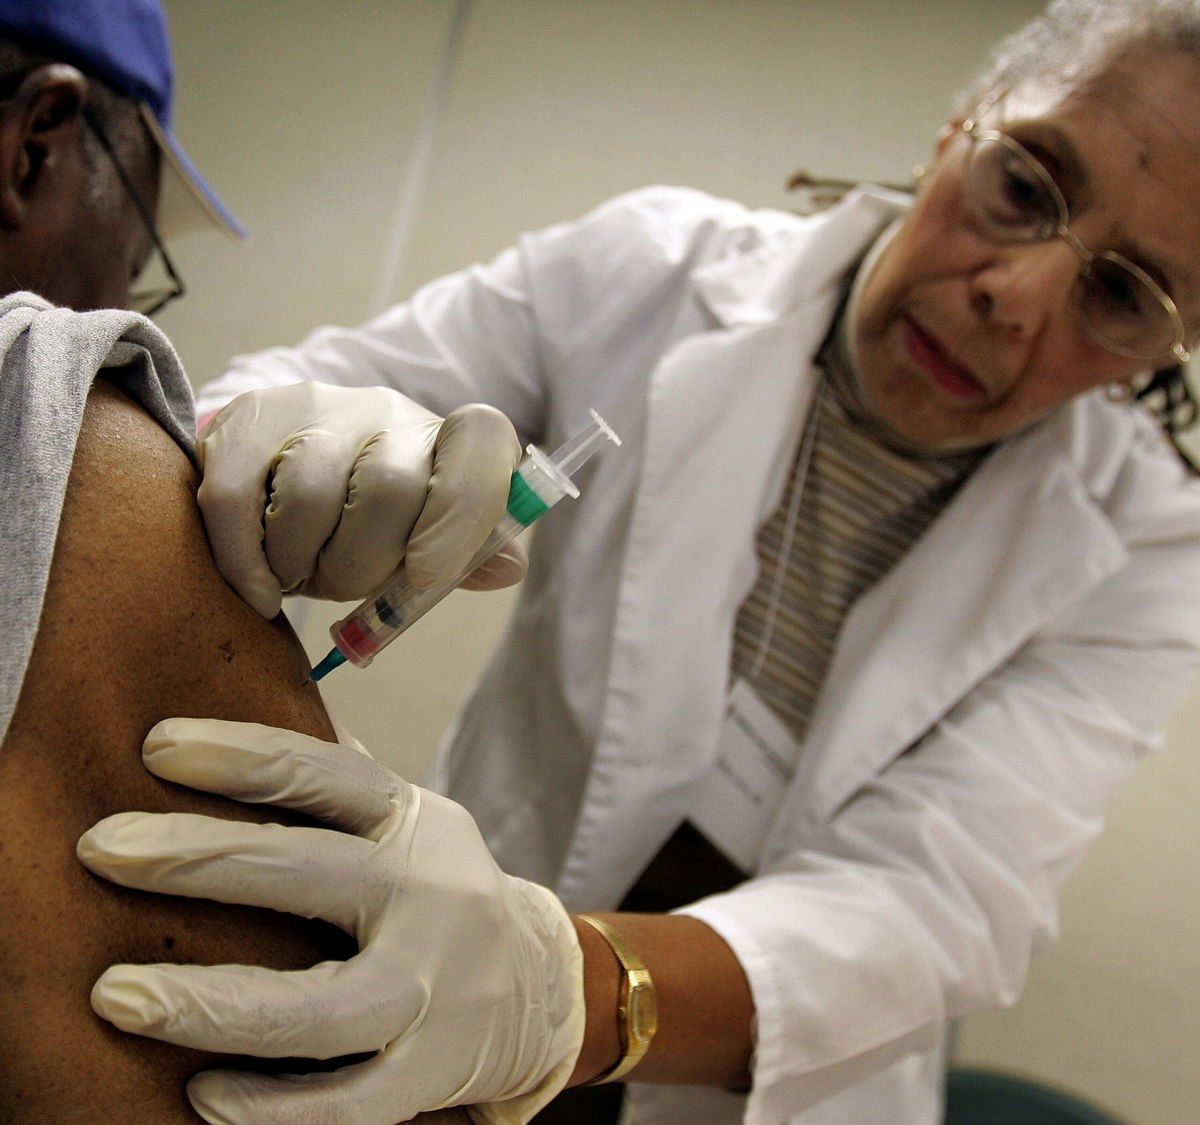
(1073,38)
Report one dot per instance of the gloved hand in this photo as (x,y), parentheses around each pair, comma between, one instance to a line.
(468,982)
(324,490)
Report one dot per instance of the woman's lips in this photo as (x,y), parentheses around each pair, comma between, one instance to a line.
(951,376)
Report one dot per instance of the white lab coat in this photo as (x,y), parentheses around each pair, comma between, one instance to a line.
(985,699)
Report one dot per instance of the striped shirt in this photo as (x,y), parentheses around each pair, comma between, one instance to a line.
(862,504)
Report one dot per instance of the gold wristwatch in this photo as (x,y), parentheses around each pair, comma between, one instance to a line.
(637,1004)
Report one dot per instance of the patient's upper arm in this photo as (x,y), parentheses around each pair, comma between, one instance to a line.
(137,626)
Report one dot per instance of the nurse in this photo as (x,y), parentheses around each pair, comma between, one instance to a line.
(824,774)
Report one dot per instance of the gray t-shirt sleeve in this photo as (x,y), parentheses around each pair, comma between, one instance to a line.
(49,358)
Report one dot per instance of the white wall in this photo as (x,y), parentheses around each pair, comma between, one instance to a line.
(303,115)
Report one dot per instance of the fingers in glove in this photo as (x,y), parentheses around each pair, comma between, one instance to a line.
(361,1094)
(324,1012)
(388,487)
(505,568)
(313,872)
(336,784)
(232,507)
(310,488)
(473,462)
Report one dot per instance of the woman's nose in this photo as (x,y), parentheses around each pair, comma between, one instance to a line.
(1024,286)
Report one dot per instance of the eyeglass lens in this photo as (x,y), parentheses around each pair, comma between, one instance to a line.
(1017,199)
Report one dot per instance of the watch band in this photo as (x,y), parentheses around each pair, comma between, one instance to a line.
(637,1004)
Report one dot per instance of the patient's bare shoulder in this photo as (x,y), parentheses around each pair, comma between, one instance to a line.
(137,626)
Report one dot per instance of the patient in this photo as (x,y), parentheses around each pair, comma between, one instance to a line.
(135,625)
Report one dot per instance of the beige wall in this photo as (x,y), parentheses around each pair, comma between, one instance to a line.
(304,115)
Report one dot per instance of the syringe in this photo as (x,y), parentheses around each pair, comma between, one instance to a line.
(538,483)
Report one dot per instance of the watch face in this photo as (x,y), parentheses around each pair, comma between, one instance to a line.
(643,1012)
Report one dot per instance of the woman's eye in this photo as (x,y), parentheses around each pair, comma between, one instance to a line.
(1118,292)
(1025,193)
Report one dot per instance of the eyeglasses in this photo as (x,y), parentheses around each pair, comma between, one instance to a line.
(148,297)
(1120,305)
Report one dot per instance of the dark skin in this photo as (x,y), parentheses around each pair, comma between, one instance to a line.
(118,649)
(56,239)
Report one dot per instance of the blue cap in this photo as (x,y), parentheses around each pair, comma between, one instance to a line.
(124,44)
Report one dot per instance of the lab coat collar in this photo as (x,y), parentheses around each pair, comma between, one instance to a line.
(724,413)
(761,288)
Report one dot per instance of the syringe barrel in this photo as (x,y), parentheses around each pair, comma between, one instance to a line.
(398,604)
(537,485)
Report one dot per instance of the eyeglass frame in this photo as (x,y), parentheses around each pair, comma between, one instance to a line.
(177,288)
(1061,229)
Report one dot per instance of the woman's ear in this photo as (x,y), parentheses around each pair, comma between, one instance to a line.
(37,125)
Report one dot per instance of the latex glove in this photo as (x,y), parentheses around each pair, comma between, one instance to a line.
(468,982)
(324,490)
